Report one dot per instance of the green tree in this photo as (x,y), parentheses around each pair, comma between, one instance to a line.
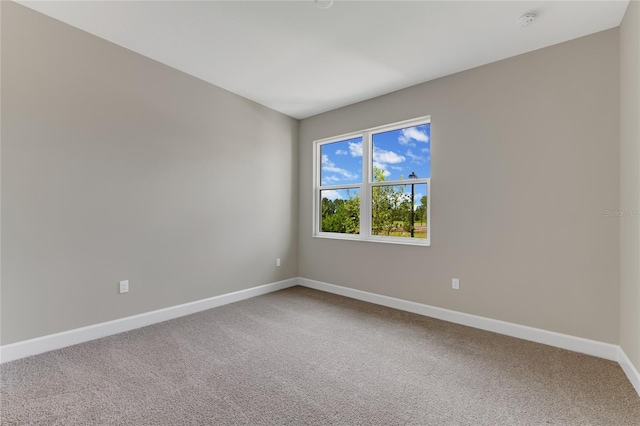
(341,216)
(351,215)
(421,210)
(391,207)
(331,212)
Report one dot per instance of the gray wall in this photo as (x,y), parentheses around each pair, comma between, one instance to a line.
(117,167)
(630,183)
(525,162)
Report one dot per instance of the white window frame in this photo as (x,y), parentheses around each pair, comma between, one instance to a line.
(365,187)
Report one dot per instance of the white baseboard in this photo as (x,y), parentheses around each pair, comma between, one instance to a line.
(51,342)
(629,369)
(577,344)
(564,341)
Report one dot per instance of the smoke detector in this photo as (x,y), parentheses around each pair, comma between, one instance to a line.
(526,19)
(323,4)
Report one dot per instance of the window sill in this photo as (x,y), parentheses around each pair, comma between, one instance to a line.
(421,242)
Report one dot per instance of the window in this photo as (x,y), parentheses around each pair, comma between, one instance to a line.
(375,185)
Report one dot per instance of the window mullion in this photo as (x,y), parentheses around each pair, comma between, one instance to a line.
(317,212)
(344,186)
(365,192)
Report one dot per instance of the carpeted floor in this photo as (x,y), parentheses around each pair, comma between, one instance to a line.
(300,357)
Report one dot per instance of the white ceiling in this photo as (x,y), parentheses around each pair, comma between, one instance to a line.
(301,60)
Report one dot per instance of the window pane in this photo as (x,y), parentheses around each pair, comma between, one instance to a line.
(391,210)
(398,153)
(341,162)
(340,211)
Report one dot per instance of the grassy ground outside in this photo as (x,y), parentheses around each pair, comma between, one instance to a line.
(420,231)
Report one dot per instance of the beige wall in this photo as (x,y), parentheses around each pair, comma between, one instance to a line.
(525,161)
(117,167)
(630,183)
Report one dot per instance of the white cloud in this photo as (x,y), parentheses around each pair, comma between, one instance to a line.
(331,194)
(330,179)
(413,157)
(382,167)
(383,158)
(341,152)
(425,150)
(412,134)
(380,156)
(330,167)
(417,159)
(387,157)
(355,148)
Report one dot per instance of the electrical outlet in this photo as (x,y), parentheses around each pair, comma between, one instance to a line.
(455,284)
(124,286)
(277,262)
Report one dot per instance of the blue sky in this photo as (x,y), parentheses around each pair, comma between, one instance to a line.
(398,153)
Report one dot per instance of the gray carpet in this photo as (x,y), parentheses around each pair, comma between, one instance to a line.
(301,356)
